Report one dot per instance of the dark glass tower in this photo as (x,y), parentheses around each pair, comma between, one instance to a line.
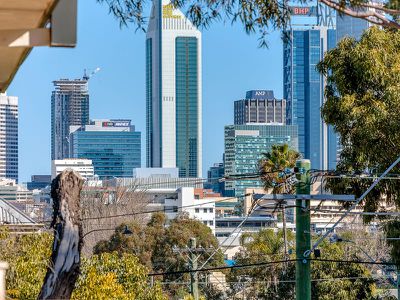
(69,107)
(304,93)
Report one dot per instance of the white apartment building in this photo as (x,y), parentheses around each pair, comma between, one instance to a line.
(185,201)
(83,166)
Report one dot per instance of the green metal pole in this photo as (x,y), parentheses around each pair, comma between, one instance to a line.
(303,236)
(194,284)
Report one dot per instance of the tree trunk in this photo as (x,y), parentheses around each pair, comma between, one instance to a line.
(64,267)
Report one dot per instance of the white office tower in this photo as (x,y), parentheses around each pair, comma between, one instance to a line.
(83,166)
(173,91)
(9,137)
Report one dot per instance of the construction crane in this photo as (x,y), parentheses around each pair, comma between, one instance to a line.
(86,76)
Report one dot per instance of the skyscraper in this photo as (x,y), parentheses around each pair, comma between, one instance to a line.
(304,91)
(260,106)
(69,106)
(349,26)
(173,91)
(113,146)
(9,137)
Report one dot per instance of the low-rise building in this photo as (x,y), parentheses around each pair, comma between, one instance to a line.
(38,182)
(186,202)
(157,178)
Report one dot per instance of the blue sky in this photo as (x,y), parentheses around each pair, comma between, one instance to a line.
(232,64)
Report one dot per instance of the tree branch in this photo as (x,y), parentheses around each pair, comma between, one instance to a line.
(367,15)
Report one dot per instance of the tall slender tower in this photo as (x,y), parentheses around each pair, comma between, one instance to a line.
(173,91)
(69,106)
(9,136)
(304,90)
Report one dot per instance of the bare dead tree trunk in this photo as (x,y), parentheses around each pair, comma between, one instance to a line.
(65,260)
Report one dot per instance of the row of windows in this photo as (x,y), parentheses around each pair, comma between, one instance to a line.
(204,210)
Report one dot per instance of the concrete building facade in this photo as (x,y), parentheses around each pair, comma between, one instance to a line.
(260,107)
(83,166)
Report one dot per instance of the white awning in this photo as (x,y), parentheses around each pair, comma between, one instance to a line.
(28,23)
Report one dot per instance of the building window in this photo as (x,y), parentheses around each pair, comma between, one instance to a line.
(211,223)
(196,210)
(205,210)
(211,210)
(205,222)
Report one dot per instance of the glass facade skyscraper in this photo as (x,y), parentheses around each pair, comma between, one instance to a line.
(113,146)
(349,26)
(244,146)
(304,92)
(173,91)
(69,107)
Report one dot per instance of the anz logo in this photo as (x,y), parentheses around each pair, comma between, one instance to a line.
(260,93)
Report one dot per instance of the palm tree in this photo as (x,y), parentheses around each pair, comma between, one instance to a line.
(273,164)
(271,167)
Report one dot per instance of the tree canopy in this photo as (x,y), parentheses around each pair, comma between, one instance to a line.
(161,248)
(363,106)
(256,16)
(105,276)
(331,281)
(272,166)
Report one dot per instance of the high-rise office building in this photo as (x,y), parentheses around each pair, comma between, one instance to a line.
(173,91)
(69,106)
(9,137)
(349,26)
(260,106)
(113,146)
(304,93)
(244,146)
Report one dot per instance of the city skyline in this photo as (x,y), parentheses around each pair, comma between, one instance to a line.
(123,96)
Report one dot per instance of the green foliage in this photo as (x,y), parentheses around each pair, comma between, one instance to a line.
(276,281)
(153,244)
(113,276)
(28,257)
(107,276)
(363,106)
(264,282)
(340,281)
(273,163)
(392,230)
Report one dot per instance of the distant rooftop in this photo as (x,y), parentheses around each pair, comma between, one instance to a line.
(260,94)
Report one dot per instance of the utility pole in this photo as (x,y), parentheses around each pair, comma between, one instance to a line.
(303,222)
(284,231)
(194,280)
(303,235)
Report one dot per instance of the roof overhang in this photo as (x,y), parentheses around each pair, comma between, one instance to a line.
(29,23)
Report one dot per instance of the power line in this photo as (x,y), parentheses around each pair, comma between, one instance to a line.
(173,209)
(253,265)
(223,267)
